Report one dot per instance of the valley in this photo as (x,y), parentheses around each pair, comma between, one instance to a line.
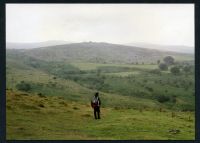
(49,90)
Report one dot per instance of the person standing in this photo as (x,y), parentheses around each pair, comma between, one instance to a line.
(95,103)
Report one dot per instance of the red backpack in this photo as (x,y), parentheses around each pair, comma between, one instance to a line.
(95,102)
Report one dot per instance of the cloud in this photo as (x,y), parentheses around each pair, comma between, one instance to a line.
(171,24)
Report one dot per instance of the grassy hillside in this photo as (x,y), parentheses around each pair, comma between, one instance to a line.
(93,66)
(46,84)
(31,116)
(51,95)
(76,84)
(100,53)
(81,79)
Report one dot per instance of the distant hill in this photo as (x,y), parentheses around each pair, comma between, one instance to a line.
(99,53)
(174,48)
(13,45)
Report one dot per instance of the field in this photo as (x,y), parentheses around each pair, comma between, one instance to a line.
(51,100)
(92,66)
(54,118)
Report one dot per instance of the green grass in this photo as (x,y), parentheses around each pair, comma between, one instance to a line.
(130,109)
(122,80)
(93,66)
(44,83)
(123,74)
(184,58)
(61,119)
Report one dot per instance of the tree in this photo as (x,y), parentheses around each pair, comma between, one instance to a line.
(163,66)
(175,70)
(169,60)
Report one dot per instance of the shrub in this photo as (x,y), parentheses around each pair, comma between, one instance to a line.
(145,80)
(75,108)
(162,98)
(175,70)
(187,68)
(23,86)
(149,89)
(163,66)
(173,99)
(155,71)
(187,107)
(41,105)
(177,85)
(41,95)
(186,88)
(158,62)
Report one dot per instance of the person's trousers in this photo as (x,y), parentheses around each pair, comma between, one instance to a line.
(97,112)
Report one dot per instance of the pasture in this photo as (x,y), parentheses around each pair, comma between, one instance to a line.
(92,66)
(31,116)
(138,102)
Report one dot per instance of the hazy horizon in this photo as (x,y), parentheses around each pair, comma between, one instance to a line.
(95,42)
(160,24)
(172,48)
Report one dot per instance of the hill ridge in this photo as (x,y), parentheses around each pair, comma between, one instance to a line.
(100,52)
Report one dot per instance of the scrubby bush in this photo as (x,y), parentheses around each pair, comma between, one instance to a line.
(187,107)
(155,71)
(187,69)
(41,95)
(149,89)
(186,88)
(23,86)
(162,98)
(145,81)
(163,66)
(41,105)
(177,85)
(173,99)
(158,62)
(175,70)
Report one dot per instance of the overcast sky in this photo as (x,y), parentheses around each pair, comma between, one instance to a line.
(166,24)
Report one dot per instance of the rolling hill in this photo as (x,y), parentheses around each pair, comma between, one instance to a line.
(98,53)
(49,89)
(14,45)
(174,48)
